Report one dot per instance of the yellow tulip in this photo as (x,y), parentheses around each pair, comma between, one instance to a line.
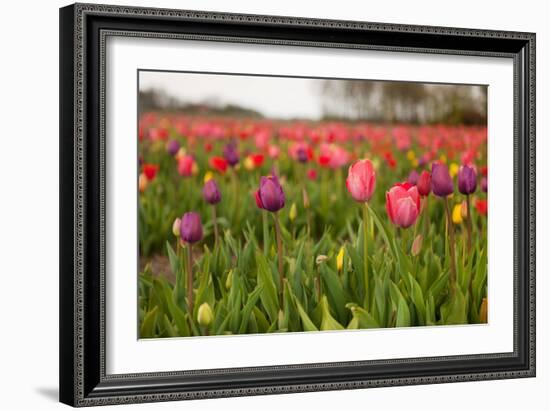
(209,175)
(340,259)
(249,164)
(443,158)
(457,214)
(453,169)
(411,155)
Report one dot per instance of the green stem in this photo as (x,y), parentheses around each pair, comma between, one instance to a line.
(190,278)
(469,223)
(452,243)
(426,216)
(366,252)
(215,220)
(280,257)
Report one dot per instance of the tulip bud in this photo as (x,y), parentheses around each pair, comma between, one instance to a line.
(361,180)
(191,227)
(293,212)
(340,259)
(229,279)
(416,245)
(457,214)
(176,227)
(321,259)
(305,199)
(143,182)
(205,316)
(424,183)
(467,180)
(442,184)
(211,192)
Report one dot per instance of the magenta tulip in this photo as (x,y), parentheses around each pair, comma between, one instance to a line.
(442,183)
(413,178)
(191,227)
(211,192)
(403,204)
(483,184)
(361,180)
(467,179)
(270,196)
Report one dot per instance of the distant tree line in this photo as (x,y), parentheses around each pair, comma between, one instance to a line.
(156,100)
(392,101)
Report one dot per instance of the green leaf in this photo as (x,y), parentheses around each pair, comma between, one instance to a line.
(168,328)
(328,322)
(362,317)
(333,289)
(306,321)
(418,300)
(403,314)
(148,324)
(247,310)
(268,296)
(454,310)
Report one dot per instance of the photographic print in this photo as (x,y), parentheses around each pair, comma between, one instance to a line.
(273,204)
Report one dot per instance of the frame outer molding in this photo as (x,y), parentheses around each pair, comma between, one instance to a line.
(73,195)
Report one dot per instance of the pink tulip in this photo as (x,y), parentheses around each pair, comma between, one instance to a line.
(361,180)
(403,204)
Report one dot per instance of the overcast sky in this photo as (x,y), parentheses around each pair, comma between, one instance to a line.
(278,97)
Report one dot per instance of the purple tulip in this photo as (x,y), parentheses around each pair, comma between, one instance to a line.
(442,183)
(484,184)
(301,154)
(172,147)
(413,178)
(467,180)
(231,154)
(211,192)
(270,195)
(191,227)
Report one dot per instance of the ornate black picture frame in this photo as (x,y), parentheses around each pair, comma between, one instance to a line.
(83,30)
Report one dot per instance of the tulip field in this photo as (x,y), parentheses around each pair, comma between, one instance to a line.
(251,225)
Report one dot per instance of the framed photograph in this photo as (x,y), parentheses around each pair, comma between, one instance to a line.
(261,204)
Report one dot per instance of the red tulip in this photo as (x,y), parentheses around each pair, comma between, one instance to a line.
(324,161)
(403,204)
(218,163)
(481,206)
(361,180)
(312,174)
(424,183)
(150,171)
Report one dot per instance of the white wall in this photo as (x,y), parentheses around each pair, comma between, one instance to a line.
(29,205)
